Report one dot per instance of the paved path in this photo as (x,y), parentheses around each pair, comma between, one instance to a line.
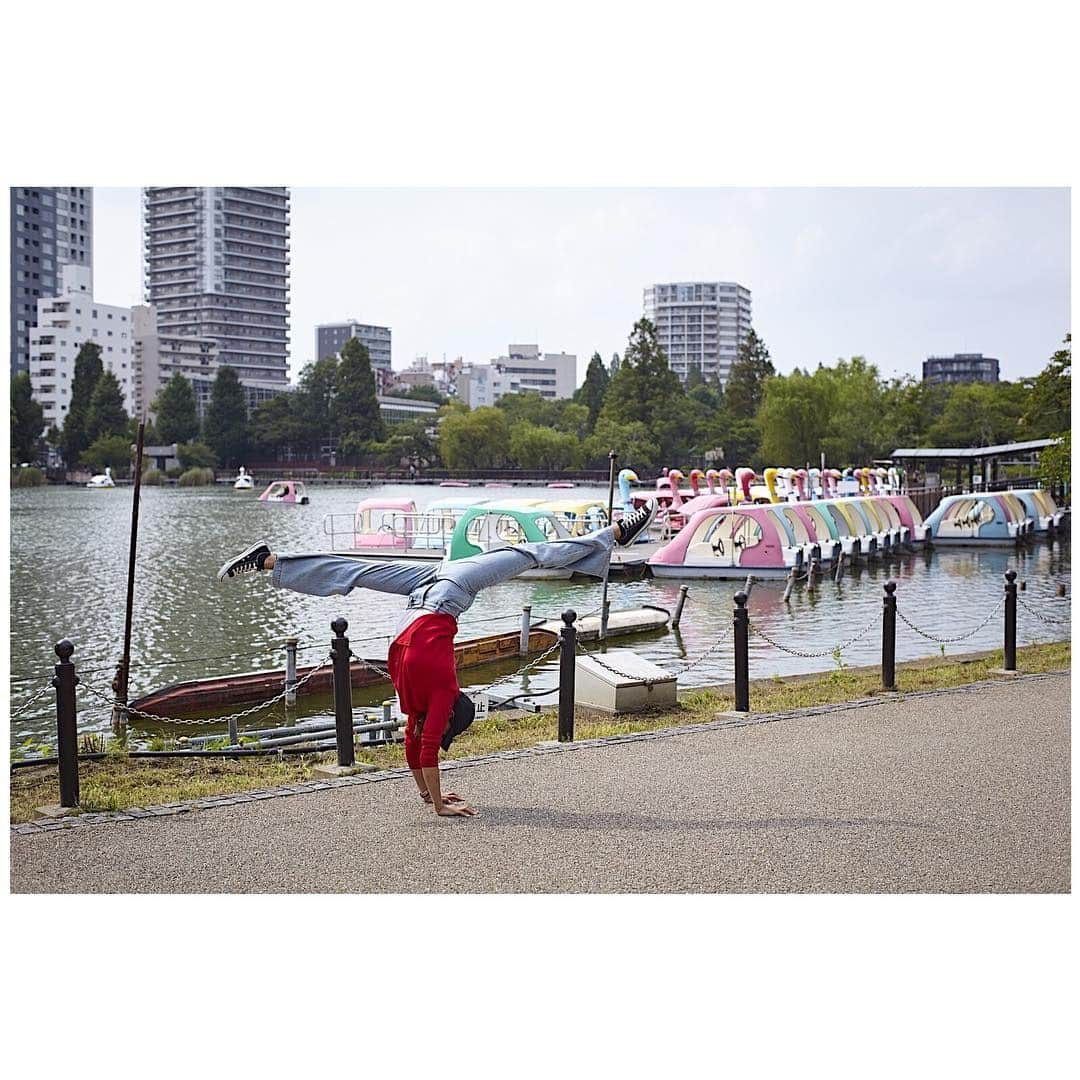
(962,791)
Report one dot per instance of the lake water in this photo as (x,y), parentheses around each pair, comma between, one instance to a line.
(69,556)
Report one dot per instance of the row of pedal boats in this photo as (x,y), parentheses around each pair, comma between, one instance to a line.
(766,540)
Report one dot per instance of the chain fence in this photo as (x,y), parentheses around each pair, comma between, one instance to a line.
(949,640)
(755,629)
(35,698)
(1051,621)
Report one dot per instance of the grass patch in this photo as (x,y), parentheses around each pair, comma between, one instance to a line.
(119,783)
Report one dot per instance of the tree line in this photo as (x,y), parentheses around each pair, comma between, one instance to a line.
(636,405)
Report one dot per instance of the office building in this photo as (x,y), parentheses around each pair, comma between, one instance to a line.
(960,368)
(700,323)
(524,369)
(63,323)
(330,337)
(399,410)
(217,268)
(50,227)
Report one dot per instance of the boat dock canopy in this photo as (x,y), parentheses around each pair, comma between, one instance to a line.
(951,452)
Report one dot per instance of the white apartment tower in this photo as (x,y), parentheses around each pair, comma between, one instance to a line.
(64,323)
(700,322)
(217,268)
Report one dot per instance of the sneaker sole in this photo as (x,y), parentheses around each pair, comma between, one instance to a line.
(224,574)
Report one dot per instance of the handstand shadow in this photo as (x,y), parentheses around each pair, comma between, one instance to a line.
(605,821)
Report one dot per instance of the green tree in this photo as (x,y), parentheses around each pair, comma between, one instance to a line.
(225,426)
(88,370)
(313,404)
(476,439)
(909,408)
(113,451)
(633,442)
(980,414)
(535,447)
(795,417)
(856,433)
(27,420)
(1055,462)
(355,411)
(1049,406)
(744,391)
(275,425)
(196,455)
(694,378)
(616,363)
(174,410)
(592,390)
(106,414)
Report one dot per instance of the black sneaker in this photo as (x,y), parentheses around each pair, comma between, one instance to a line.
(633,524)
(246,562)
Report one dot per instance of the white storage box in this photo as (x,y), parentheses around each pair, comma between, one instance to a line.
(620,681)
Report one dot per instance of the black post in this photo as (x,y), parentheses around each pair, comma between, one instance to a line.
(339,650)
(567,670)
(67,735)
(1010,620)
(119,720)
(888,637)
(742,654)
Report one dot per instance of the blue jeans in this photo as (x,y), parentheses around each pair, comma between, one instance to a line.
(449,587)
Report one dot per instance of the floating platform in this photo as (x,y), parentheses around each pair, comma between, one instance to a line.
(630,621)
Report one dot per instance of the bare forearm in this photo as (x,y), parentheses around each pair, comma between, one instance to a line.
(431,782)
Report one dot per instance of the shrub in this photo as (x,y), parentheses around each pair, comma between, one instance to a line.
(196,478)
(31,476)
(174,472)
(196,455)
(153,478)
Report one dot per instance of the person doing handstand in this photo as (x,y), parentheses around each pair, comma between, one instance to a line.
(421,657)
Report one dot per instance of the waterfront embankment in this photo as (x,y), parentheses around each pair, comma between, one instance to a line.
(957,790)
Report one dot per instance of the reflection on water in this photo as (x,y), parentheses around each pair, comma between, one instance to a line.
(69,569)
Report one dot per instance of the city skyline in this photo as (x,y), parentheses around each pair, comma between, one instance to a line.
(893,274)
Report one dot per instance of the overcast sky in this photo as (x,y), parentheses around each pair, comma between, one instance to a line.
(892,274)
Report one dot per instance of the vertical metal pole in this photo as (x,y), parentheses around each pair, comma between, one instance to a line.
(526,622)
(888,637)
(604,606)
(119,716)
(290,670)
(339,650)
(234,731)
(742,654)
(683,590)
(1010,620)
(567,673)
(67,735)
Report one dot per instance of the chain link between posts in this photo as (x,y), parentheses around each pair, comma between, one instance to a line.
(113,704)
(1054,622)
(949,640)
(816,655)
(37,697)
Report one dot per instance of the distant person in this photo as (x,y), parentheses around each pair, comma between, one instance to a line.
(421,659)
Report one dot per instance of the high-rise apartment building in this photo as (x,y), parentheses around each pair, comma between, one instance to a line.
(217,268)
(700,323)
(50,226)
(330,337)
(960,367)
(64,323)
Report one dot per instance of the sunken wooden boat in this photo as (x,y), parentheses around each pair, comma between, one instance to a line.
(246,688)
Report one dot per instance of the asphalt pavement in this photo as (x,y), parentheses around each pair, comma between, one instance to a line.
(958,791)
